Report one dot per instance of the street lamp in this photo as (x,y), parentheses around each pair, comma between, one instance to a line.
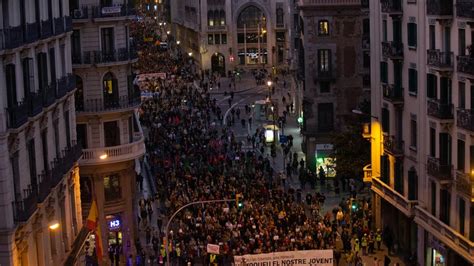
(103,156)
(178,42)
(269,84)
(190,54)
(54,225)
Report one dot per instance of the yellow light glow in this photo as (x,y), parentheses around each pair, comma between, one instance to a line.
(103,156)
(54,226)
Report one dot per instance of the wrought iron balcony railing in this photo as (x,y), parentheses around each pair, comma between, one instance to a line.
(24,208)
(46,29)
(80,13)
(13,37)
(439,170)
(392,6)
(394,145)
(465,64)
(49,95)
(62,165)
(444,60)
(393,93)
(465,119)
(393,50)
(440,110)
(17,114)
(32,32)
(465,8)
(35,103)
(100,105)
(439,7)
(58,25)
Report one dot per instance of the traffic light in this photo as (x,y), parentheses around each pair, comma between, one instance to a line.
(354,205)
(239,201)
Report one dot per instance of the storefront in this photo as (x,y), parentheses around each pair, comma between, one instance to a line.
(323,159)
(114,224)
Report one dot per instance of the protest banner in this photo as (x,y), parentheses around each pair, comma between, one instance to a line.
(295,258)
(212,249)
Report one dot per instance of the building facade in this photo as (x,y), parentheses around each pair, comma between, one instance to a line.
(107,122)
(223,34)
(422,127)
(41,218)
(334,62)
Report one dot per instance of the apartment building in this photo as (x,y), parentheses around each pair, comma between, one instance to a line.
(107,123)
(334,60)
(39,176)
(422,127)
(225,34)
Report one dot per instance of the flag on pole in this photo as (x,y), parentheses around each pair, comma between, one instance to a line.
(93,225)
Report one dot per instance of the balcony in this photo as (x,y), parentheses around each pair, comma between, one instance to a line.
(49,95)
(107,57)
(393,197)
(32,32)
(124,103)
(13,37)
(63,165)
(112,12)
(35,103)
(393,145)
(393,93)
(442,61)
(465,119)
(364,4)
(327,75)
(448,236)
(465,8)
(436,169)
(68,21)
(115,154)
(44,187)
(392,7)
(85,58)
(23,209)
(392,50)
(80,14)
(439,8)
(46,29)
(465,184)
(58,26)
(466,64)
(17,115)
(440,110)
(217,28)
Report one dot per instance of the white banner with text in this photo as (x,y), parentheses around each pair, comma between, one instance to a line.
(295,258)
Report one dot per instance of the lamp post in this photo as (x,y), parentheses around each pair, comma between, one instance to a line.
(180,209)
(269,84)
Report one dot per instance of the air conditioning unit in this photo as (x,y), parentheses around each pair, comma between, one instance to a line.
(78,13)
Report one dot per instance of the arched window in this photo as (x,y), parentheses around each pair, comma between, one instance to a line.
(210,18)
(250,17)
(279,17)
(110,90)
(79,94)
(222,16)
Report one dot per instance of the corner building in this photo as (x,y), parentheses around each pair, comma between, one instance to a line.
(107,122)
(40,204)
(422,127)
(227,34)
(334,60)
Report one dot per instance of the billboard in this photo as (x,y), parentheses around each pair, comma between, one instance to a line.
(323,257)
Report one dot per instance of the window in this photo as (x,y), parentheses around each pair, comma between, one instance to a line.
(413,134)
(366,26)
(398,176)
(217,39)
(431,86)
(32,162)
(52,64)
(384,72)
(432,142)
(412,185)
(444,205)
(462,215)
(250,17)
(240,38)
(432,37)
(412,81)
(324,60)
(222,17)
(112,187)
(79,94)
(385,120)
(56,138)
(324,87)
(279,17)
(210,39)
(461,156)
(385,171)
(433,198)
(110,90)
(210,18)
(412,34)
(111,134)
(366,59)
(81,132)
(107,39)
(280,36)
(462,95)
(384,30)
(67,129)
(44,146)
(462,41)
(224,38)
(10,78)
(14,161)
(28,76)
(323,28)
(325,117)
(42,71)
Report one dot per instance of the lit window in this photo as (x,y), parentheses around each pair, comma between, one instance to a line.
(323,28)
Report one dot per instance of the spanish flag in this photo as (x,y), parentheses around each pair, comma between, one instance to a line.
(93,225)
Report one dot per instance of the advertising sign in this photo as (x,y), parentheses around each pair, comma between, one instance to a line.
(295,258)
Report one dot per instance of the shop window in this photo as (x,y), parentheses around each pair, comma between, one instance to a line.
(323,28)
(112,187)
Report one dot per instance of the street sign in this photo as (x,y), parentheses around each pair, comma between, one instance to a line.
(283,139)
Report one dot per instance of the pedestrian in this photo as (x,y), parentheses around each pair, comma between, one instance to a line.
(378,238)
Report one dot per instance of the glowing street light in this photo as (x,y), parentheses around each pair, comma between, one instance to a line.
(178,42)
(168,32)
(103,156)
(190,54)
(54,225)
